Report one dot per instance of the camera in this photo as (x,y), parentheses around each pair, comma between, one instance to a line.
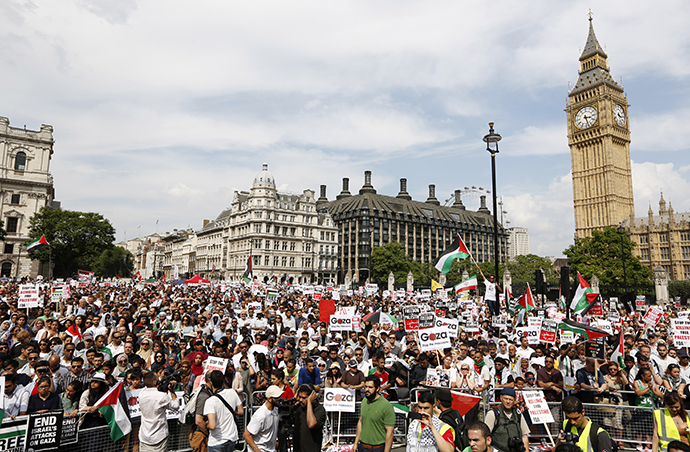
(164,385)
(516,445)
(286,423)
(570,437)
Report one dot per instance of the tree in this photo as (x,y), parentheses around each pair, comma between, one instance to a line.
(679,289)
(603,255)
(77,239)
(113,262)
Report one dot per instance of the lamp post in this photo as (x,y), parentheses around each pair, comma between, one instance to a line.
(621,230)
(491,141)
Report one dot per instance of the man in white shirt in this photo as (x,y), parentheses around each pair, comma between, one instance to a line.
(662,359)
(524,350)
(153,433)
(262,432)
(221,422)
(684,362)
(16,397)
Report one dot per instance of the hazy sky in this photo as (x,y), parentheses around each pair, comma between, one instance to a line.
(162,109)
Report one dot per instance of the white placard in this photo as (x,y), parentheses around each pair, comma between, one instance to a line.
(434,339)
(530,332)
(681,332)
(450,324)
(652,316)
(534,322)
(337,399)
(28,296)
(340,323)
(567,337)
(605,325)
(538,409)
(215,363)
(347,311)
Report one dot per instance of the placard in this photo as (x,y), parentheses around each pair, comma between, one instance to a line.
(640,302)
(44,430)
(499,321)
(681,332)
(652,316)
(426,320)
(348,311)
(339,399)
(28,296)
(595,349)
(440,313)
(13,434)
(596,310)
(411,324)
(433,339)
(215,363)
(356,324)
(537,407)
(531,333)
(534,322)
(548,330)
(605,325)
(567,337)
(450,324)
(471,327)
(70,430)
(340,323)
(133,402)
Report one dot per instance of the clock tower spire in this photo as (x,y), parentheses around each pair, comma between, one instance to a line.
(599,141)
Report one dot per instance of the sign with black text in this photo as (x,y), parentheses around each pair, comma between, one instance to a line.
(44,430)
(595,349)
(431,339)
(338,399)
(426,320)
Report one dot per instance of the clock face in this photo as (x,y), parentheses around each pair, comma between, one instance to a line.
(586,117)
(619,115)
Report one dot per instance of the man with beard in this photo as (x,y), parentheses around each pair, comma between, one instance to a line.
(376,422)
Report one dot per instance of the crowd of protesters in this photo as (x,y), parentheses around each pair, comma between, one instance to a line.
(68,352)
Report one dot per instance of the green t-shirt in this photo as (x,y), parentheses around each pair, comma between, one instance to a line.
(376,416)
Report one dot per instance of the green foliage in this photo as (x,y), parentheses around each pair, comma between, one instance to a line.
(113,262)
(679,289)
(390,258)
(602,255)
(77,239)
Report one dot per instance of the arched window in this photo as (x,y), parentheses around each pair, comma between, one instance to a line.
(20,161)
(6,270)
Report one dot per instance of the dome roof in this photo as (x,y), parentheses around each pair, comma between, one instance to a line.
(265,178)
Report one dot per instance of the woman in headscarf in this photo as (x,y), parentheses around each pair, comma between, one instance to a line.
(145,351)
(77,329)
(197,359)
(5,330)
(97,389)
(121,366)
(187,376)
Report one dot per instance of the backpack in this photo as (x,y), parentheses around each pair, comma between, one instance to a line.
(454,420)
(594,436)
(188,413)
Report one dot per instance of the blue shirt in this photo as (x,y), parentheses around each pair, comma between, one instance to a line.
(307,378)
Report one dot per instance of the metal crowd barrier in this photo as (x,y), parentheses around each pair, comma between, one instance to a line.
(98,439)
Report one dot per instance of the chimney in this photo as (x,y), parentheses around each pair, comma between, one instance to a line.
(322,198)
(432,196)
(458,200)
(346,189)
(403,190)
(483,208)
(367,187)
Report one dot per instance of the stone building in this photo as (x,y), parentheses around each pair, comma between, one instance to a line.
(179,251)
(426,228)
(599,140)
(27,186)
(662,240)
(518,242)
(147,253)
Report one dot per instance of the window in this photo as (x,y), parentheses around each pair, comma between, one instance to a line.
(19,164)
(292,231)
(257,260)
(275,261)
(12,223)
(292,246)
(257,228)
(276,245)
(307,262)
(285,230)
(268,229)
(257,214)
(283,261)
(268,244)
(643,239)
(285,245)
(663,238)
(686,252)
(686,271)
(6,270)
(267,261)
(664,253)
(307,247)
(15,199)
(292,262)
(685,236)
(9,248)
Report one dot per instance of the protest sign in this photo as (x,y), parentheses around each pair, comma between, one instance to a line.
(70,430)
(452,306)
(596,310)
(13,434)
(411,312)
(440,313)
(498,321)
(434,339)
(534,322)
(539,411)
(175,414)
(676,302)
(43,430)
(215,363)
(681,332)
(652,316)
(471,327)
(28,296)
(426,320)
(337,399)
(348,311)
(605,325)
(614,315)
(133,402)
(640,302)
(340,323)
(356,324)
(530,332)
(567,337)
(595,349)
(547,333)
(450,324)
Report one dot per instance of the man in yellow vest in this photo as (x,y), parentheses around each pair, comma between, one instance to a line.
(587,435)
(670,423)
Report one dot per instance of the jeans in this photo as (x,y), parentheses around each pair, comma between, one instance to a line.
(227,446)
(361,448)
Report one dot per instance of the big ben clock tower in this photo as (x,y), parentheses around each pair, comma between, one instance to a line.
(599,140)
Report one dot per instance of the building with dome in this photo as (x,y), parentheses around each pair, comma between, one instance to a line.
(282,232)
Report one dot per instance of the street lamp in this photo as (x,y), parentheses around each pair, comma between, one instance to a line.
(491,141)
(622,231)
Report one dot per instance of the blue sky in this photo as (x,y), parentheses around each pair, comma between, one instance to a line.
(162,109)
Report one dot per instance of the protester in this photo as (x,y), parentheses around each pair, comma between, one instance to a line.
(310,418)
(377,420)
(262,432)
(153,433)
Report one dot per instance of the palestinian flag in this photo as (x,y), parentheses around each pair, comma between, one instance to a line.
(248,274)
(463,402)
(581,300)
(526,301)
(467,284)
(619,351)
(400,409)
(585,331)
(114,413)
(456,250)
(37,244)
(591,299)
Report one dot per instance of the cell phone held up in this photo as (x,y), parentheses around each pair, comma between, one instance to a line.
(414,415)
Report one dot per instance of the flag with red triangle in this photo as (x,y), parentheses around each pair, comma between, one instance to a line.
(526,301)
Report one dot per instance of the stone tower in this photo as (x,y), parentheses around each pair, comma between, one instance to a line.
(599,140)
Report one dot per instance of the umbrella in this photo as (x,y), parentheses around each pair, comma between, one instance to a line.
(587,332)
(258,348)
(379,317)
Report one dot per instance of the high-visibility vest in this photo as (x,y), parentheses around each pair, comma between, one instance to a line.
(666,428)
(583,441)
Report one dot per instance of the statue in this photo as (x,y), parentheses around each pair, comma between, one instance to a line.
(661,285)
(507,281)
(410,282)
(391,282)
(595,284)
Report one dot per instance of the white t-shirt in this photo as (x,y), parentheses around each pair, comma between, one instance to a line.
(225,430)
(490,290)
(264,428)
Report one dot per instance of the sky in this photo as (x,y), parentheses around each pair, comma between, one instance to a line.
(162,109)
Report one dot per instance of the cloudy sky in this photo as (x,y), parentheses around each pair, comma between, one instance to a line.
(162,109)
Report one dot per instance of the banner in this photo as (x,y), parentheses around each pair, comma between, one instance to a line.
(13,434)
(336,399)
(426,320)
(340,323)
(44,430)
(681,332)
(548,330)
(70,430)
(531,333)
(433,339)
(538,409)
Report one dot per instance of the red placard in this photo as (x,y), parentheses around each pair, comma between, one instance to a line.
(412,325)
(326,309)
(440,313)
(596,309)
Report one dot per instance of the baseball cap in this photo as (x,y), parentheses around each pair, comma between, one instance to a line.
(274,391)
(352,363)
(508,392)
